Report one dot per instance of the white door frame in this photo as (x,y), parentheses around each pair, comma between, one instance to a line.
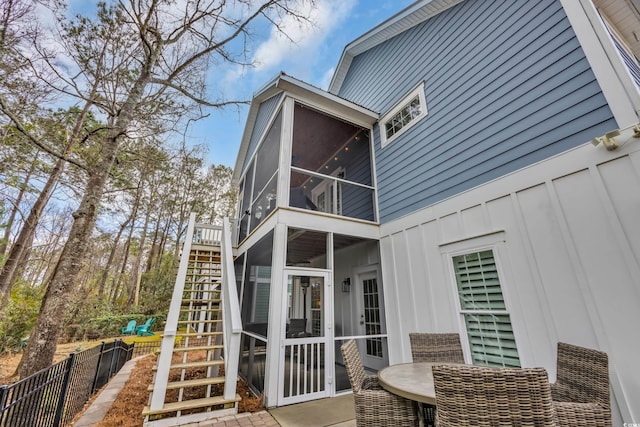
(361,273)
(303,352)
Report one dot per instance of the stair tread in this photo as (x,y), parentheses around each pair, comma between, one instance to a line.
(215,273)
(198,348)
(201,364)
(198,334)
(187,365)
(195,334)
(191,383)
(199,321)
(190,404)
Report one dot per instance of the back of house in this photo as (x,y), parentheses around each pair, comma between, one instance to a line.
(496,194)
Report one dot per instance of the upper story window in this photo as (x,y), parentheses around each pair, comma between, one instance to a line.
(404,115)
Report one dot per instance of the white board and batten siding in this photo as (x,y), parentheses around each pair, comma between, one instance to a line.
(566,237)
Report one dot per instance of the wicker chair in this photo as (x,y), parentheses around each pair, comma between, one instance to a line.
(427,347)
(479,396)
(436,347)
(374,406)
(582,383)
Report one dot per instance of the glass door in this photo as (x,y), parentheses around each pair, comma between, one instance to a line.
(371,320)
(306,335)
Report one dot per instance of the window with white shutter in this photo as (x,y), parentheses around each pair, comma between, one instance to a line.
(484,310)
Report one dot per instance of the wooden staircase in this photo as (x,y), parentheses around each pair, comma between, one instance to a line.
(189,384)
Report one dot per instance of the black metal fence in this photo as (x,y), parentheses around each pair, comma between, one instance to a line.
(143,348)
(53,396)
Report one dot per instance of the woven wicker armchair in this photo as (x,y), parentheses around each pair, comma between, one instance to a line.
(428,347)
(479,396)
(374,406)
(582,384)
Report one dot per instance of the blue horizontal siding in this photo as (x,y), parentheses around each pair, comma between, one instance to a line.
(506,84)
(265,112)
(356,201)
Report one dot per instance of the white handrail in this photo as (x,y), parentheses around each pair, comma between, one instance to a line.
(231,311)
(206,234)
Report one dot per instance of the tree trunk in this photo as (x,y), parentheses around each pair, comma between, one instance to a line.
(18,251)
(163,242)
(155,249)
(112,254)
(4,242)
(18,254)
(135,271)
(123,264)
(44,337)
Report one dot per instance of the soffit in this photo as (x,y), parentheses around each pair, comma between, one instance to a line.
(625,17)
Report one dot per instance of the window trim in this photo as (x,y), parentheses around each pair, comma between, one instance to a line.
(494,241)
(418,92)
(332,190)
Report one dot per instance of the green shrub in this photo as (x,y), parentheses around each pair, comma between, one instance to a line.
(20,316)
(111,325)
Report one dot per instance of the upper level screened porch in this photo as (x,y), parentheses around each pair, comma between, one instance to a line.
(314,154)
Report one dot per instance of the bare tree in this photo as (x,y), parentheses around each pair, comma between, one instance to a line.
(158,53)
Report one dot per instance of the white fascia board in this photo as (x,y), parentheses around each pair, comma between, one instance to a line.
(615,81)
(325,99)
(407,18)
(311,220)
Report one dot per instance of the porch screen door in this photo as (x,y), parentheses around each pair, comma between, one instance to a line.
(303,374)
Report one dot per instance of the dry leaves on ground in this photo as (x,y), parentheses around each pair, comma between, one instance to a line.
(126,411)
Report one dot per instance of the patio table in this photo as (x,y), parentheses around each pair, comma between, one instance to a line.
(413,381)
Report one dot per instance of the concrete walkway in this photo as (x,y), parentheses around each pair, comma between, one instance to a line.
(335,412)
(98,409)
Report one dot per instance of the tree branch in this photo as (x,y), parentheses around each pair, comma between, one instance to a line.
(33,140)
(193,97)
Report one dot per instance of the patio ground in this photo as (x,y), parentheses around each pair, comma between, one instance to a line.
(120,404)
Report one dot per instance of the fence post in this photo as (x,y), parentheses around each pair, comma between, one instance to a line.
(97,374)
(3,391)
(119,355)
(114,353)
(63,390)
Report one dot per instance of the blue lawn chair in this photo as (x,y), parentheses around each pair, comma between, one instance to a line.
(130,329)
(145,328)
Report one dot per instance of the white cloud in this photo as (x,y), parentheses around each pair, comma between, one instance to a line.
(325,80)
(325,16)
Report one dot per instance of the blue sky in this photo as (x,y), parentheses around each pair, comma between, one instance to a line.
(312,59)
